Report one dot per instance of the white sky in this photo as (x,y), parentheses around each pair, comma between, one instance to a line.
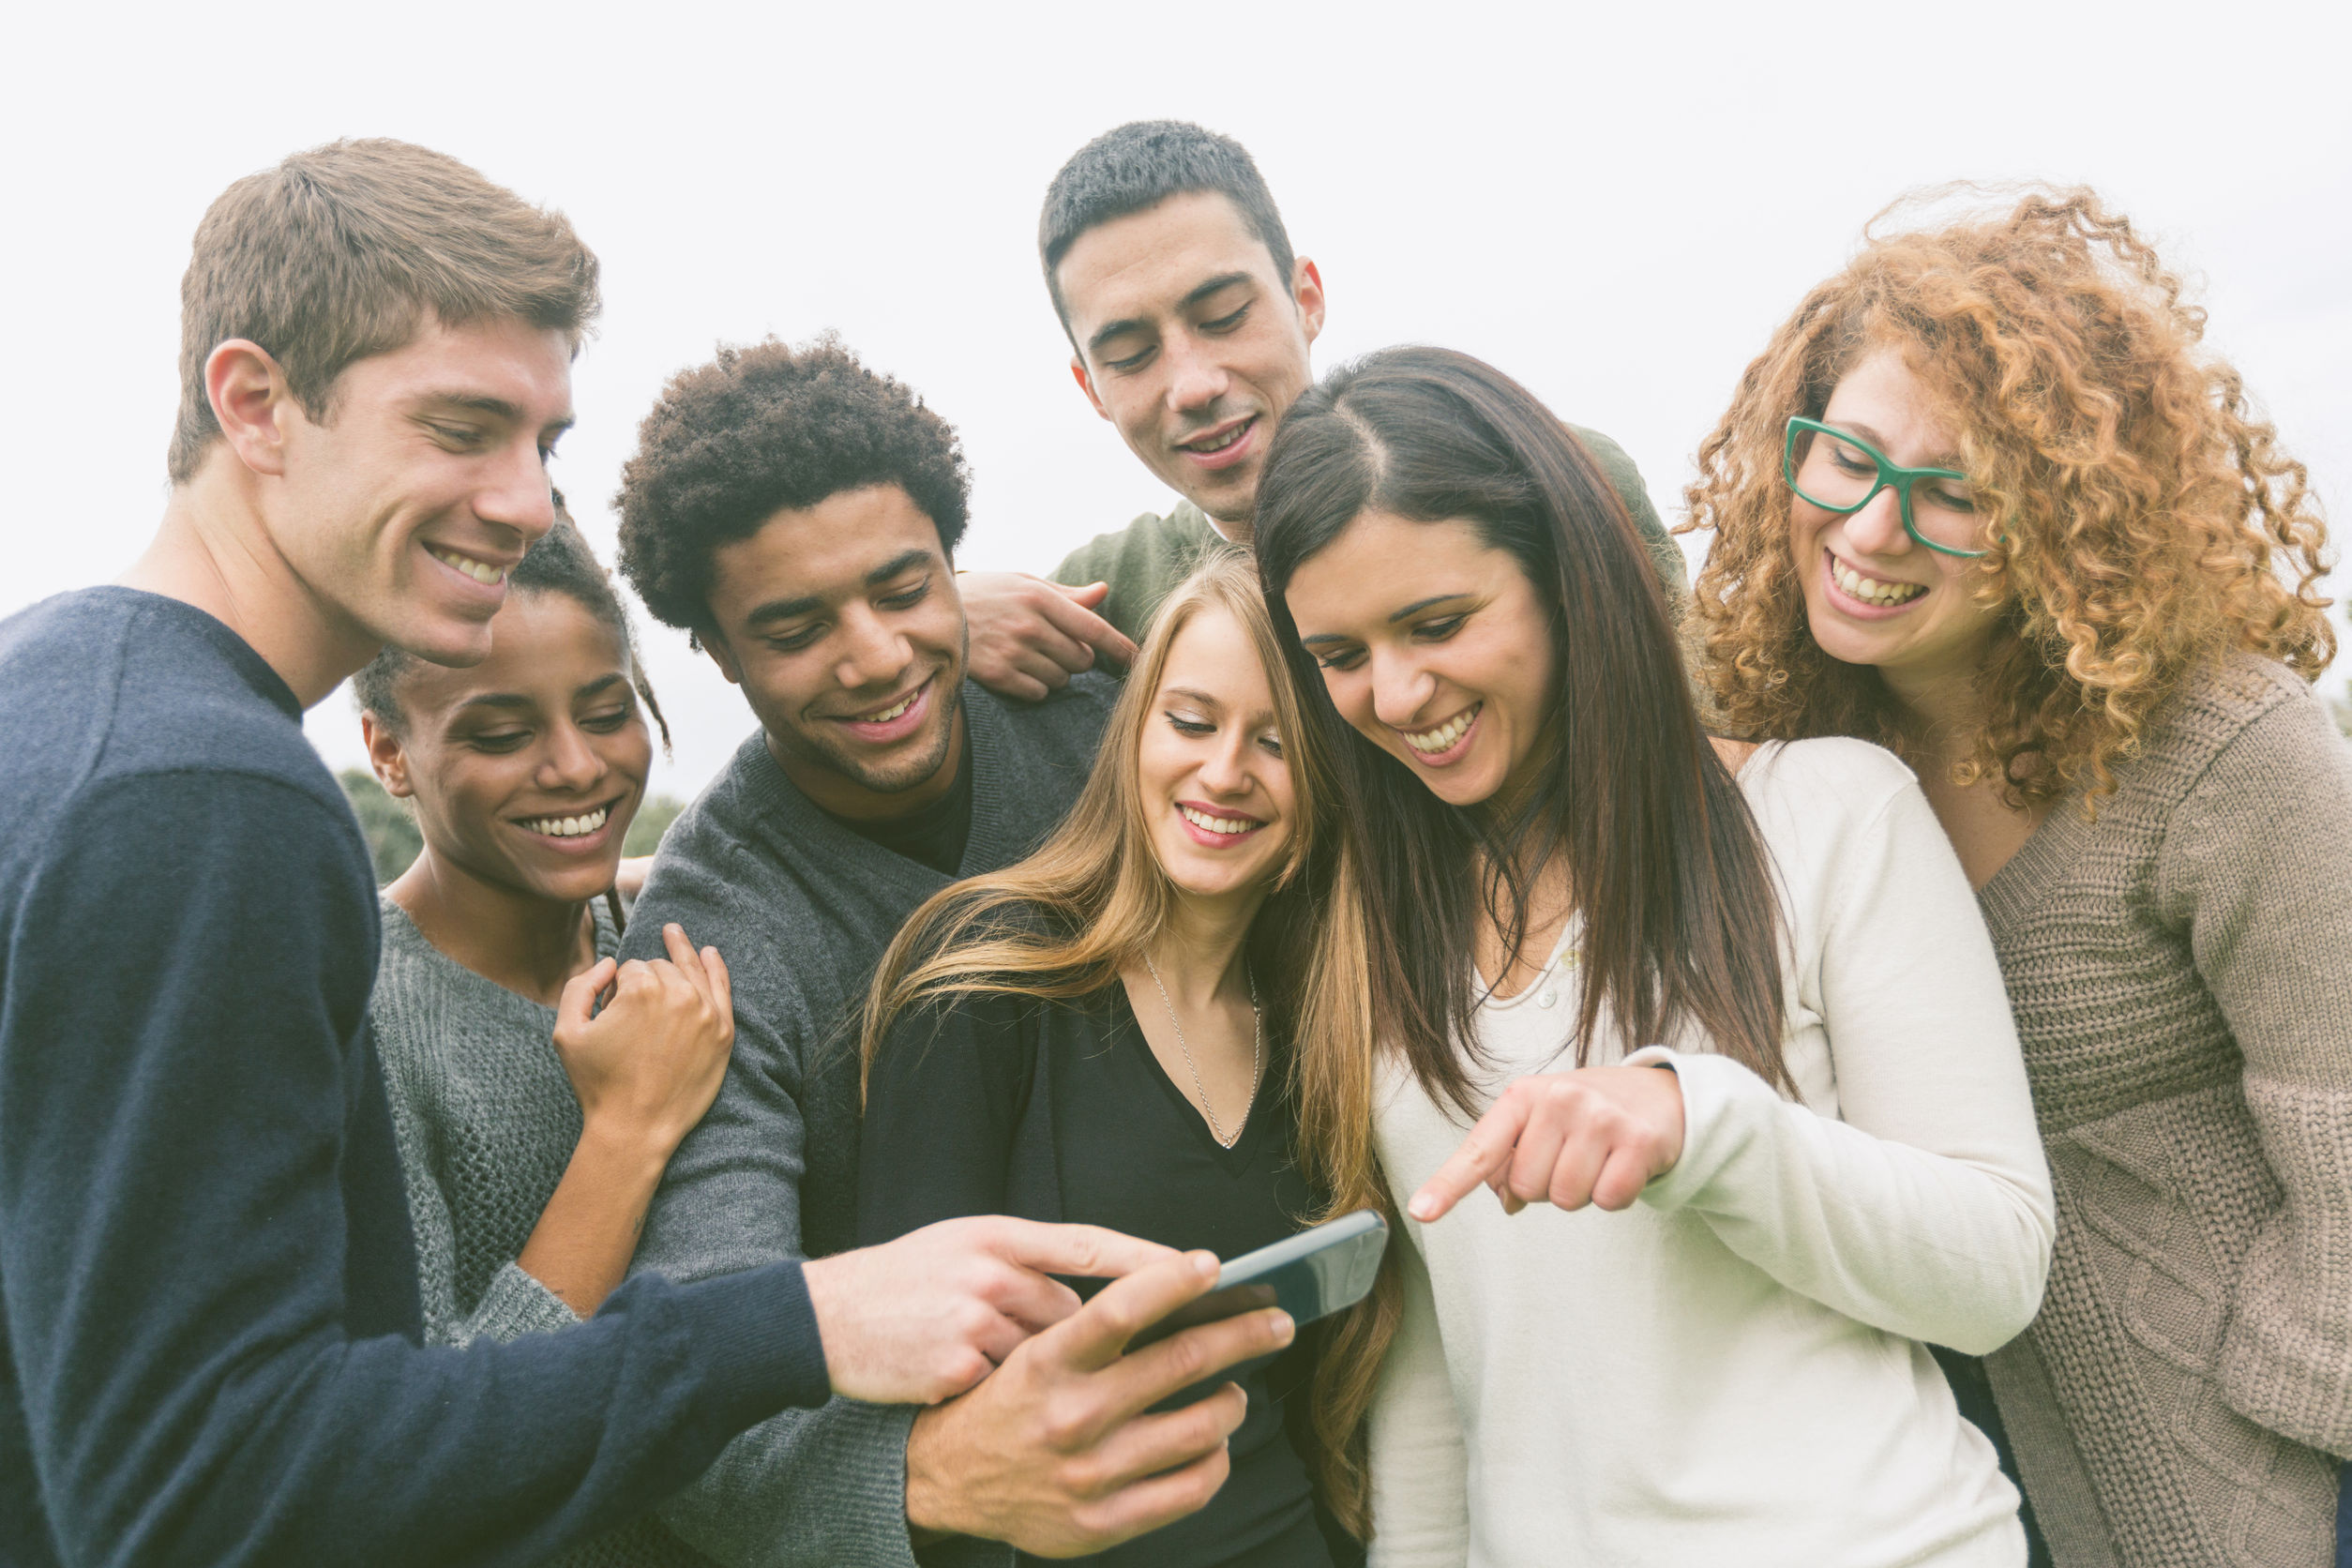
(1616,203)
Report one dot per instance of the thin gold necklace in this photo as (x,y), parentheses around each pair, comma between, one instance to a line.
(1256,1053)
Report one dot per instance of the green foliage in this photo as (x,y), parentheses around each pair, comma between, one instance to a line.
(652,819)
(393,841)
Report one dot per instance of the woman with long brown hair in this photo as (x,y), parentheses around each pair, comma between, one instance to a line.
(1985,498)
(1111,1030)
(1725,1017)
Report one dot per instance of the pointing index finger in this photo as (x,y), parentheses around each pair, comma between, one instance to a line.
(1485,1150)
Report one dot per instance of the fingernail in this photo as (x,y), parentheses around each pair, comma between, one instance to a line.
(1285,1328)
(1421,1207)
(1205,1264)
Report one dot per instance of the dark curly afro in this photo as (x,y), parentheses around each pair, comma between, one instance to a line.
(759,428)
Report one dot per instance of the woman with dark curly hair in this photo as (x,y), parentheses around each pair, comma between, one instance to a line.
(1985,499)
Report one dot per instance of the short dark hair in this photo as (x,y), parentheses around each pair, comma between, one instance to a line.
(558,562)
(761,428)
(1140,165)
(342,252)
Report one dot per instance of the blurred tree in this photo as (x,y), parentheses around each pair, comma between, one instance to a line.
(652,819)
(391,832)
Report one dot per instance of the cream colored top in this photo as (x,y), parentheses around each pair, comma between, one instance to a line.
(1729,1372)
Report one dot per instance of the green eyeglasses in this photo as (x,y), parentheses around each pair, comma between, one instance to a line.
(1842,472)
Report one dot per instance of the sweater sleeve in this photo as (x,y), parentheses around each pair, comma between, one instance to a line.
(1420,1464)
(514,1303)
(2257,864)
(181,1055)
(808,1488)
(942,1107)
(1927,1209)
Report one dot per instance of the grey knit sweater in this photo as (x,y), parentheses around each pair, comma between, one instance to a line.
(2181,971)
(802,908)
(485,1121)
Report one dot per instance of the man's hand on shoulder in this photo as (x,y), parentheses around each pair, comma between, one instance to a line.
(1054,1452)
(1029,636)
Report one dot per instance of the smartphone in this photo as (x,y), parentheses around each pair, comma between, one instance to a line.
(1309,1276)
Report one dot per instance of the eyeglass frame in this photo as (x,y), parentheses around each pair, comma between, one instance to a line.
(1889,473)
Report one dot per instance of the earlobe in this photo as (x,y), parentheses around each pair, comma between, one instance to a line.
(1086,385)
(250,401)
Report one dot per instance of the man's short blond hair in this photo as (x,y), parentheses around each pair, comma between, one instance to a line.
(344,250)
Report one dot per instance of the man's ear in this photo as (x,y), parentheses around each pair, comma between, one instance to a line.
(1307,289)
(721,654)
(385,756)
(1086,385)
(251,402)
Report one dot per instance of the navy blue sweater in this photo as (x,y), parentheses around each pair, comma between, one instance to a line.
(209,1337)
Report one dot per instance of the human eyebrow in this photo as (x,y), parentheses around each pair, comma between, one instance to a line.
(895,565)
(1323,637)
(1105,333)
(784,609)
(1201,697)
(1222,280)
(1110,330)
(1419,605)
(1946,460)
(496,408)
(601,684)
(504,699)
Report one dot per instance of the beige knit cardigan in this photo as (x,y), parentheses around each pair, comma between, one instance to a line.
(2181,971)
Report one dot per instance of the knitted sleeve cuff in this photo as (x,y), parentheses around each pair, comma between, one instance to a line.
(515,1304)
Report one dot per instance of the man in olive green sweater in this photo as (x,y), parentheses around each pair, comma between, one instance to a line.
(1191,322)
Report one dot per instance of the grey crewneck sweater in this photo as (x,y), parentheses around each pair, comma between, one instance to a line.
(486,1121)
(2182,972)
(800,907)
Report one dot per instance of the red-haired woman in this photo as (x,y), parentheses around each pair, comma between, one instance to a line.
(1985,499)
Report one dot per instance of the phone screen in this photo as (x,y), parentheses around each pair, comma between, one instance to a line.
(1309,1276)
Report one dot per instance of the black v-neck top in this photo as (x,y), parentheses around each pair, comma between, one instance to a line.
(1059,1111)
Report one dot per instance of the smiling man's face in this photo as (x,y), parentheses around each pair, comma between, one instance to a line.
(1190,344)
(841,623)
(407,503)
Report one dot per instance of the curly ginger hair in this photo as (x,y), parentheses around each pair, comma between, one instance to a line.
(2141,518)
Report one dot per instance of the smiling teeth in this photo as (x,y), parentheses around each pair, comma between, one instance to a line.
(480,571)
(1869,589)
(1219,825)
(1444,735)
(1221,442)
(569,827)
(888,714)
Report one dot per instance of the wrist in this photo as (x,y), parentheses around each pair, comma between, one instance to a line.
(929,1500)
(625,1148)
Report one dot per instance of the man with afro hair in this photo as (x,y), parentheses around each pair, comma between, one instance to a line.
(796,514)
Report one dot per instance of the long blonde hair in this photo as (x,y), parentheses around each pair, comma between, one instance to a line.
(1060,924)
(2141,518)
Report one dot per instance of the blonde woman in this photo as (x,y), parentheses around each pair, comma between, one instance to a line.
(1985,498)
(1105,1030)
